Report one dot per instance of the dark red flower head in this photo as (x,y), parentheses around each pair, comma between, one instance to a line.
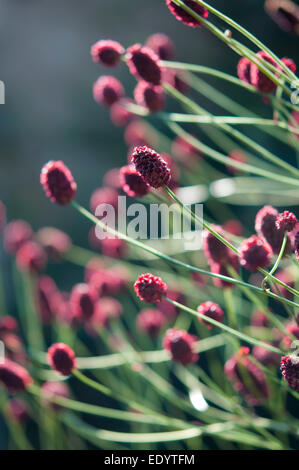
(247,378)
(265,226)
(243,70)
(162,45)
(144,63)
(181,346)
(150,288)
(16,233)
(260,319)
(58,182)
(286,221)
(55,242)
(62,358)
(107,52)
(110,281)
(50,390)
(120,115)
(150,321)
(234,227)
(132,182)
(31,257)
(211,310)
(289,367)
(107,90)
(289,63)
(14,377)
(265,357)
(221,269)
(184,16)
(214,250)
(150,96)
(82,301)
(151,166)
(255,253)
(258,78)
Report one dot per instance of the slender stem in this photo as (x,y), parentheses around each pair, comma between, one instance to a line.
(158,253)
(279,257)
(225,328)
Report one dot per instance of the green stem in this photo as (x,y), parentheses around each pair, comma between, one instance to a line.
(279,257)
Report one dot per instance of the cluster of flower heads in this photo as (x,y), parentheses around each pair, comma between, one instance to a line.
(250,73)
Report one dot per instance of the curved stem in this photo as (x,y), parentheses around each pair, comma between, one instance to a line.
(280,255)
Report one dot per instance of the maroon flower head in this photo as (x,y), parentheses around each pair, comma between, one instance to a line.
(255,253)
(114,247)
(162,45)
(244,70)
(58,182)
(258,78)
(211,310)
(150,321)
(214,250)
(107,90)
(247,378)
(184,16)
(289,366)
(286,221)
(82,301)
(62,358)
(150,288)
(109,281)
(151,166)
(144,63)
(49,299)
(14,377)
(106,309)
(107,52)
(120,115)
(265,357)
(289,63)
(265,226)
(218,268)
(293,329)
(181,346)
(149,96)
(50,390)
(259,319)
(16,233)
(234,227)
(31,257)
(55,242)
(132,182)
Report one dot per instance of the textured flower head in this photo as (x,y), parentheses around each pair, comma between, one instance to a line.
(150,288)
(58,182)
(184,16)
(151,166)
(162,45)
(286,221)
(289,63)
(255,253)
(211,310)
(266,228)
(214,249)
(107,52)
(244,70)
(14,377)
(107,90)
(149,96)
(181,346)
(144,63)
(258,79)
(289,367)
(62,358)
(132,182)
